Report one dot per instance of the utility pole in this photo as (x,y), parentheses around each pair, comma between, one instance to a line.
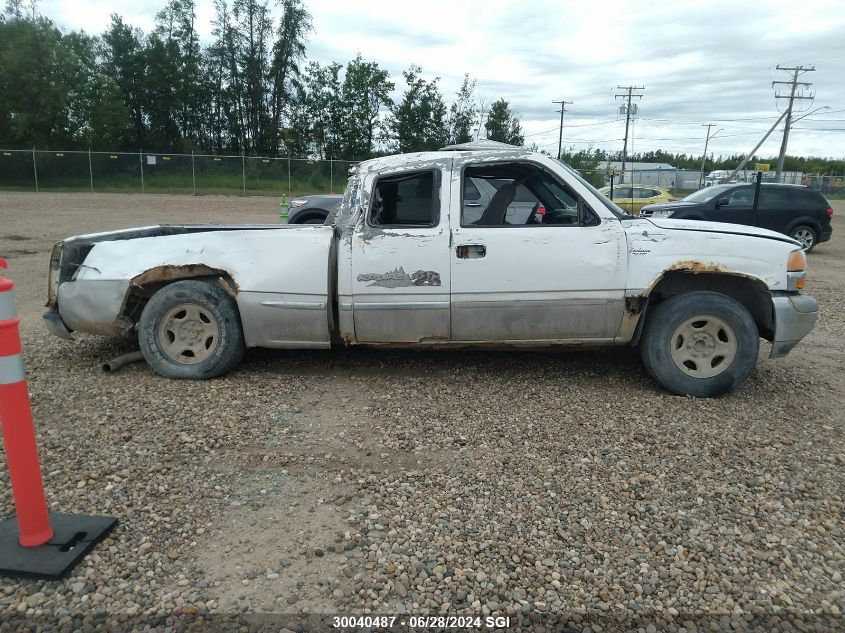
(630,93)
(563,105)
(706,143)
(796,71)
(756,147)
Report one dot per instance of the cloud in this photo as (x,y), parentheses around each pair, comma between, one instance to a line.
(699,62)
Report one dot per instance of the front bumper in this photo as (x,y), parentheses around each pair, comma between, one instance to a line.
(795,317)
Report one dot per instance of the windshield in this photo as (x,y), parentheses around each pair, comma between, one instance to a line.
(615,210)
(705,195)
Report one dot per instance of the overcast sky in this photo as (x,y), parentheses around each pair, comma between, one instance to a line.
(700,62)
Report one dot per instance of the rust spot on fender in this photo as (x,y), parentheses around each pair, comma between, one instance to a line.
(695,266)
(170,272)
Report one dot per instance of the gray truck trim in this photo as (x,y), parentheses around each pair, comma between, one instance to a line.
(795,317)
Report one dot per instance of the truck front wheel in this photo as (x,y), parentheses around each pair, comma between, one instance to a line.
(191,330)
(701,344)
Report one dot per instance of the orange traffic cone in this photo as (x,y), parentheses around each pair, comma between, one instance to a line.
(35,543)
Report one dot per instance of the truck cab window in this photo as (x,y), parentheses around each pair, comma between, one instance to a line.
(410,199)
(471,192)
(521,194)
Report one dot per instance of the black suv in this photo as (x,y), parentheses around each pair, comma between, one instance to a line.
(794,210)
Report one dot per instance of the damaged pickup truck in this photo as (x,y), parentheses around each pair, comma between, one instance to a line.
(409,261)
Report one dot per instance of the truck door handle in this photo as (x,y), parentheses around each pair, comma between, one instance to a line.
(470,251)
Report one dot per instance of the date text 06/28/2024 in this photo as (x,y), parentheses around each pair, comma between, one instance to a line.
(421,622)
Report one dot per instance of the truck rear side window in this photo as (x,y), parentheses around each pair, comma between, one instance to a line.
(410,199)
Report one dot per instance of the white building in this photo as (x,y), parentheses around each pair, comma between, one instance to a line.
(657,174)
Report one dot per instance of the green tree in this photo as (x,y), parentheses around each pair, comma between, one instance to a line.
(124,62)
(161,101)
(96,113)
(185,75)
(222,68)
(503,125)
(418,121)
(34,73)
(285,72)
(366,90)
(51,91)
(253,28)
(325,108)
(297,134)
(586,161)
(463,113)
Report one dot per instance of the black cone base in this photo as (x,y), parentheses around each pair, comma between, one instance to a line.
(74,535)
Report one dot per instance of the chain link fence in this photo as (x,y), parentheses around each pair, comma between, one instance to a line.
(147,172)
(677,181)
(682,182)
(204,174)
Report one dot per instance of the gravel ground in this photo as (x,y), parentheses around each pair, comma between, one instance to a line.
(555,489)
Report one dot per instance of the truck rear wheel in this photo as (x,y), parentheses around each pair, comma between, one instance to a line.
(701,344)
(191,330)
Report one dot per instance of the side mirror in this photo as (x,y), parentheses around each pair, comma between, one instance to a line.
(722,202)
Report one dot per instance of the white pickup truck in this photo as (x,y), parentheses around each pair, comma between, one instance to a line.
(403,263)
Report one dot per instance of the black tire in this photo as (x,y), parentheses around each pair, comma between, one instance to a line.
(806,234)
(668,318)
(220,334)
(314,221)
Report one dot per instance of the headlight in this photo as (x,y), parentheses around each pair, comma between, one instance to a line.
(797,261)
(796,270)
(298,203)
(662,213)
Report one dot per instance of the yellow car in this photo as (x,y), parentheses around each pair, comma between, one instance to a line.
(632,198)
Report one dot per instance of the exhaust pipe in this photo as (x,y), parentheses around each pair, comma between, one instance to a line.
(126,359)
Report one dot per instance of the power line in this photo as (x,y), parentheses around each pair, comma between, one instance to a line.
(555,128)
(541,133)
(796,71)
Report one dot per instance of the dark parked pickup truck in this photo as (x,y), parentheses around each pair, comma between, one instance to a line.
(801,213)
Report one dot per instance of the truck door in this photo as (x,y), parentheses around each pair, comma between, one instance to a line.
(400,257)
(542,278)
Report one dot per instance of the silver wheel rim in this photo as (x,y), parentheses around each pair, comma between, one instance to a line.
(805,236)
(188,334)
(703,346)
